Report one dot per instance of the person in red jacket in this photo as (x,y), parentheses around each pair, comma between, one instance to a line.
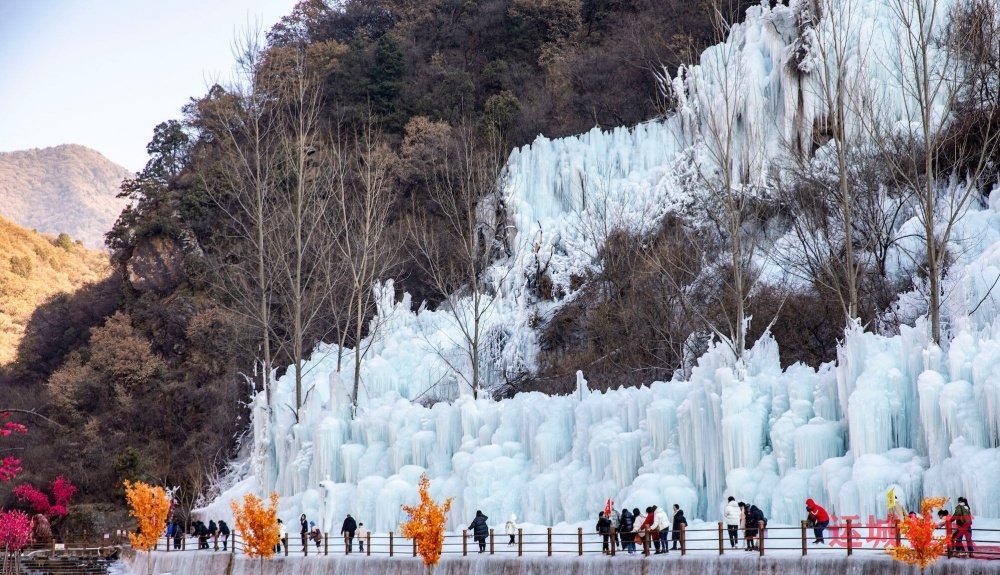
(819,517)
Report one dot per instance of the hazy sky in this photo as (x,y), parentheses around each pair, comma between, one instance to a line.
(103,73)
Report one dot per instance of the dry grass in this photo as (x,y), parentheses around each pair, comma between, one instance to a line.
(33,269)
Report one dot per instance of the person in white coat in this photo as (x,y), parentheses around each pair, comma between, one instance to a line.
(662,523)
(510,528)
(732,515)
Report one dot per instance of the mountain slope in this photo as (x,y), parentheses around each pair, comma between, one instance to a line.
(66,188)
(32,269)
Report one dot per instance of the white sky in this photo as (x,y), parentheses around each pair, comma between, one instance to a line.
(103,73)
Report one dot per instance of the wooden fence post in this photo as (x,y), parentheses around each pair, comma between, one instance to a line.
(465,542)
(579,541)
(368,544)
(520,542)
(549,539)
(804,546)
(326,544)
(850,551)
(184,542)
(305,547)
(390,544)
(414,546)
(760,537)
(645,544)
(491,542)
(721,548)
(684,539)
(284,541)
(233,545)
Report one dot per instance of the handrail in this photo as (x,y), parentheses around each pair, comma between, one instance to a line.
(845,539)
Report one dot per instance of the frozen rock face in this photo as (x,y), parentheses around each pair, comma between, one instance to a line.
(893,412)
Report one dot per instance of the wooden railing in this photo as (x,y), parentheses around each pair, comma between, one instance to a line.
(846,538)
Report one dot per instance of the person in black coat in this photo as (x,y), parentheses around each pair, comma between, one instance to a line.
(604,528)
(304,530)
(754,518)
(178,534)
(679,520)
(224,532)
(625,526)
(202,531)
(213,532)
(480,530)
(348,529)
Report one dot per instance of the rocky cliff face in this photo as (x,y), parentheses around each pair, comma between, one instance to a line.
(67,189)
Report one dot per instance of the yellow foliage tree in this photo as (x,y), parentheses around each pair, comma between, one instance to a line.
(258,526)
(426,524)
(924,548)
(150,506)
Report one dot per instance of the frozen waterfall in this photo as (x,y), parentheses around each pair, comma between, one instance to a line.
(894,412)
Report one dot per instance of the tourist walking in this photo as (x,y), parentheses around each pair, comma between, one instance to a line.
(615,519)
(510,529)
(679,522)
(347,530)
(820,519)
(315,535)
(963,526)
(480,530)
(604,528)
(661,523)
(362,535)
(282,537)
(213,532)
(626,528)
(304,531)
(646,527)
(224,532)
(733,515)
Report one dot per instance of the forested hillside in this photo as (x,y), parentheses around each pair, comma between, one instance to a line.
(35,268)
(64,189)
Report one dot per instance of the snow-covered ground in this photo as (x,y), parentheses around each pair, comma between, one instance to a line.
(892,413)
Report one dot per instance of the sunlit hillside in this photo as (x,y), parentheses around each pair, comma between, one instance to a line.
(34,267)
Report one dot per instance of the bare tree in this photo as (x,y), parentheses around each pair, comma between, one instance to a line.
(940,174)
(466,193)
(727,169)
(302,204)
(834,44)
(243,185)
(361,176)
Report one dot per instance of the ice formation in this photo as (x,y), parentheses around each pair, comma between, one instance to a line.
(893,412)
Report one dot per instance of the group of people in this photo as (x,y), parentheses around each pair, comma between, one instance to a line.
(309,532)
(745,517)
(632,527)
(622,530)
(959,524)
(214,531)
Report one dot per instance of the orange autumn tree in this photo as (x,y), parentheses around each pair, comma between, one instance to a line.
(150,506)
(258,526)
(924,549)
(426,524)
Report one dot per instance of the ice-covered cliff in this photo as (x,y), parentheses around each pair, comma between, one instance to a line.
(894,412)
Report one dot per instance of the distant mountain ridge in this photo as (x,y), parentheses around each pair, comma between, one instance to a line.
(68,188)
